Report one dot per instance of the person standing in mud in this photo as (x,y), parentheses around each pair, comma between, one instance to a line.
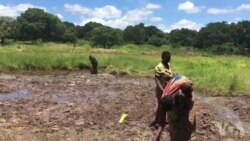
(177,102)
(94,64)
(163,74)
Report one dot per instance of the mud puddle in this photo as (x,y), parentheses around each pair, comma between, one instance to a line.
(18,95)
(57,103)
(223,112)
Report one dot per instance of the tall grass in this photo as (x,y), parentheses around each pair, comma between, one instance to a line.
(214,74)
(225,74)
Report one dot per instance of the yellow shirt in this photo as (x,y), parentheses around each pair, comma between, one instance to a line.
(163,73)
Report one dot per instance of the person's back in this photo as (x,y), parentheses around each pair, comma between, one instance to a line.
(94,64)
(177,102)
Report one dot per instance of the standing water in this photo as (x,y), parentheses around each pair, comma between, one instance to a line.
(224,112)
(21,94)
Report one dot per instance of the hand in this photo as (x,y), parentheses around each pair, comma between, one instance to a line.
(158,135)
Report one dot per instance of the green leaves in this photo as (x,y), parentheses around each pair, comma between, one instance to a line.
(106,36)
(36,24)
(7,26)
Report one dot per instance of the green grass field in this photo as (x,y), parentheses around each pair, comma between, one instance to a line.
(224,75)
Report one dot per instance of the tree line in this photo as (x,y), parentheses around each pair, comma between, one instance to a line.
(36,24)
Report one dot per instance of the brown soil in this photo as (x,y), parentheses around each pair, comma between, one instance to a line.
(77,106)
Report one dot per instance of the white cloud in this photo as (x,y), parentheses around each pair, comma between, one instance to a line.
(77,9)
(111,16)
(189,7)
(181,24)
(155,19)
(60,16)
(187,24)
(107,11)
(14,11)
(242,7)
(137,15)
(7,11)
(219,11)
(153,6)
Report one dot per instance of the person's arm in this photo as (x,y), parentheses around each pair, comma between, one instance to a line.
(158,82)
(169,74)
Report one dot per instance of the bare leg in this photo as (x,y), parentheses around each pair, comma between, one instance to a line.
(158,93)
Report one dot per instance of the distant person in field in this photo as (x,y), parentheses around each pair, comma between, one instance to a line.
(163,74)
(177,102)
(94,64)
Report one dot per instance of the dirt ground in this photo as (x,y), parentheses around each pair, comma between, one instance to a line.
(77,106)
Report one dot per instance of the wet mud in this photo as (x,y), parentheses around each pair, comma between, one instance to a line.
(78,106)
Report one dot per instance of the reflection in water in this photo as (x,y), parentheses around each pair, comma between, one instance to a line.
(21,94)
(224,112)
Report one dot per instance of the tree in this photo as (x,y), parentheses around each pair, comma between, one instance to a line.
(70,34)
(36,24)
(106,36)
(68,24)
(128,34)
(85,32)
(184,37)
(79,31)
(152,31)
(134,34)
(241,36)
(156,41)
(167,38)
(213,34)
(7,25)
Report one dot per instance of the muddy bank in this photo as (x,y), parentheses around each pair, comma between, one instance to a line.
(79,106)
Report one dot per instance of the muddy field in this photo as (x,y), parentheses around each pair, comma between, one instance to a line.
(77,106)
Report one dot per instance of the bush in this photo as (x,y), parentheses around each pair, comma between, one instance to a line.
(70,36)
(227,48)
(38,41)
